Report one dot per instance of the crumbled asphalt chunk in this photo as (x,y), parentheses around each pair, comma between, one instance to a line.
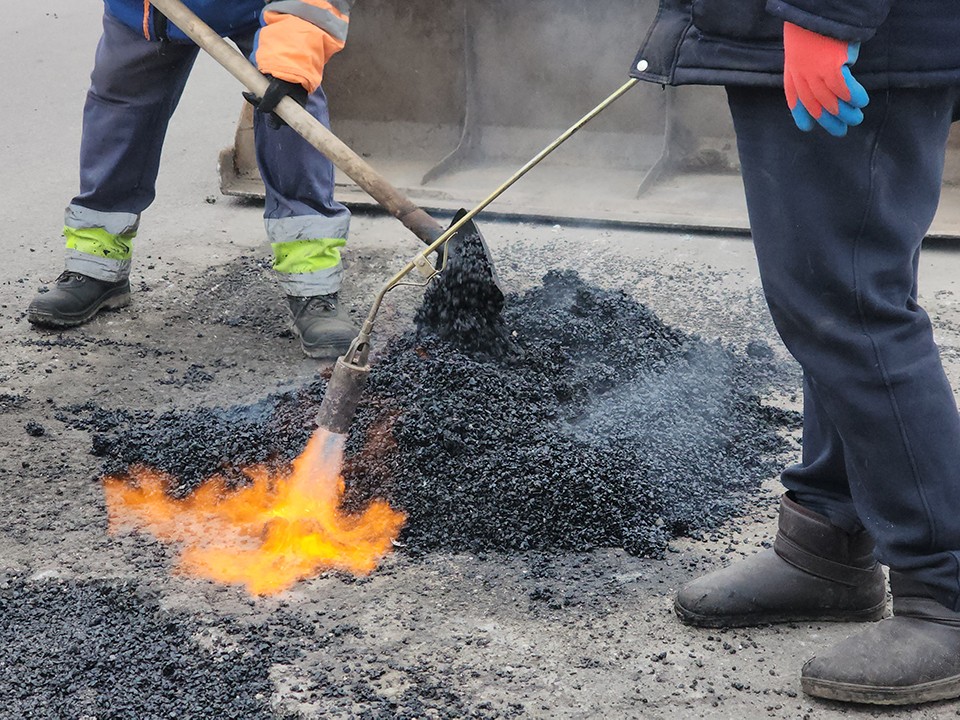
(35,429)
(10,401)
(193,375)
(74,649)
(606,427)
(759,349)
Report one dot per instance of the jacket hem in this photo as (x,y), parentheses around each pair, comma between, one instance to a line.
(870,81)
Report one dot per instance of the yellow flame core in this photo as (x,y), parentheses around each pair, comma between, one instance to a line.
(283,527)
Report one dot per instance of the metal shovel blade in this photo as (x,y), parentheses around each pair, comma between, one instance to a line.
(464,303)
(469,256)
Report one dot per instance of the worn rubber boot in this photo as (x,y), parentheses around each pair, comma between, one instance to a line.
(75,299)
(815,571)
(316,322)
(912,657)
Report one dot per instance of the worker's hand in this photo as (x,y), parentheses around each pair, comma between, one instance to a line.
(818,82)
(277,90)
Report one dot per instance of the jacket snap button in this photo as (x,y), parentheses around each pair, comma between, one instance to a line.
(642,65)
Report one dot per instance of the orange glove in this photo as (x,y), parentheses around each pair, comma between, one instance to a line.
(818,83)
(293,48)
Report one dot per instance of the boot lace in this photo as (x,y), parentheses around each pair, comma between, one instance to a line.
(323,303)
(68,275)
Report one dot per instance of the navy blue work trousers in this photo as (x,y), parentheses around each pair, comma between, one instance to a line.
(135,88)
(837,224)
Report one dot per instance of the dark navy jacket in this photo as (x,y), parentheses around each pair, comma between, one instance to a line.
(906,43)
(226,18)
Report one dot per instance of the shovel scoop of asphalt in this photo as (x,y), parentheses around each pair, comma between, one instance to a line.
(464,304)
(463,307)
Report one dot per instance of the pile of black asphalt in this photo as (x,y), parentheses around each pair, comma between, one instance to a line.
(583,421)
(566,417)
(103,649)
(108,649)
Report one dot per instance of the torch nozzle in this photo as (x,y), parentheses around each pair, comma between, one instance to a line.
(342,396)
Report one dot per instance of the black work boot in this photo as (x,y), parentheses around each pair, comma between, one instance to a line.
(315,321)
(815,571)
(75,299)
(912,657)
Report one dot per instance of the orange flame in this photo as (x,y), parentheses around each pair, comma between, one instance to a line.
(284,527)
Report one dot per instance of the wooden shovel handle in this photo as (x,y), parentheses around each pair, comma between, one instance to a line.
(312,130)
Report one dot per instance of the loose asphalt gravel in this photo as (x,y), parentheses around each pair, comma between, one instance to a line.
(596,425)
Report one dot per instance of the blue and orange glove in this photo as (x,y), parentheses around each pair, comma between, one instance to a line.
(818,83)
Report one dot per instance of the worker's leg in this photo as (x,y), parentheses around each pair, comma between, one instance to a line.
(135,87)
(819,480)
(305,224)
(837,225)
(306,227)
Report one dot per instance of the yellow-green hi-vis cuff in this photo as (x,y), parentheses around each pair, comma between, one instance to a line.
(99,242)
(299,257)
